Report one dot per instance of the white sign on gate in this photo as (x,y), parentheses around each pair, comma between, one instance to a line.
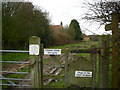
(83,74)
(34,49)
(52,51)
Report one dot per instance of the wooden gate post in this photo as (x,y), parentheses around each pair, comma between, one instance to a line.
(41,66)
(66,68)
(115,51)
(34,52)
(119,57)
(104,62)
(93,58)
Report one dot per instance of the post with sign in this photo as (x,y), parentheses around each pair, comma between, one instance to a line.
(34,52)
(115,51)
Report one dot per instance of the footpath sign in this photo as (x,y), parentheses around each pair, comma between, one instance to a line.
(52,51)
(34,49)
(83,74)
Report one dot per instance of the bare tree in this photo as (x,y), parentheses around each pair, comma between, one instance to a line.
(101,11)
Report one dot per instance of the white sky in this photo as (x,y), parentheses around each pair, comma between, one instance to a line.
(65,11)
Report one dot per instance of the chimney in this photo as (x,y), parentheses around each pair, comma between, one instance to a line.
(61,23)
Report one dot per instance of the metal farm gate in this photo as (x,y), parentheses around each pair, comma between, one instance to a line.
(11,80)
(34,74)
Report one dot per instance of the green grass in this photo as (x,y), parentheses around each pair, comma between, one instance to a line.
(86,44)
(25,69)
(85,55)
(62,72)
(14,57)
(19,76)
(59,83)
(46,60)
(81,45)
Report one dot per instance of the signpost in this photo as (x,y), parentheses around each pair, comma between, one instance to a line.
(108,27)
(115,48)
(115,51)
(83,74)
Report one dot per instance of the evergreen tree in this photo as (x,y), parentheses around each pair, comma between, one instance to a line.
(75,30)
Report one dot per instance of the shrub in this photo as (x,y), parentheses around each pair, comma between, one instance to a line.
(60,37)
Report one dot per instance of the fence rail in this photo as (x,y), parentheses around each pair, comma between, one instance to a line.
(15,85)
(15,79)
(8,80)
(17,51)
(14,62)
(85,51)
(14,72)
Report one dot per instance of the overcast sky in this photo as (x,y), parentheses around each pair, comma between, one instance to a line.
(65,11)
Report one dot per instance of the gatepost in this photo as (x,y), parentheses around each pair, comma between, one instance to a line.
(104,61)
(93,58)
(34,52)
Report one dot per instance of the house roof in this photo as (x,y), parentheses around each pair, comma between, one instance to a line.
(84,35)
(56,27)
